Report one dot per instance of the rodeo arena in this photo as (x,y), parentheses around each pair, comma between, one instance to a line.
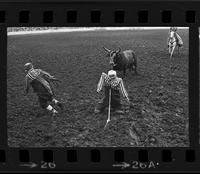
(97,87)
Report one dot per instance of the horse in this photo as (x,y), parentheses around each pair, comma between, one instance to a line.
(173,42)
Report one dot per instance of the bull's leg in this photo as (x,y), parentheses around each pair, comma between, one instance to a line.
(130,68)
(124,72)
(136,70)
(135,67)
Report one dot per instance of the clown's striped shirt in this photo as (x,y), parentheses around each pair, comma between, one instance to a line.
(41,76)
(116,83)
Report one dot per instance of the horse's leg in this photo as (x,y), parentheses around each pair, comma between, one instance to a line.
(178,50)
(178,55)
(135,69)
(175,67)
(169,49)
(170,57)
(170,67)
(171,53)
(173,48)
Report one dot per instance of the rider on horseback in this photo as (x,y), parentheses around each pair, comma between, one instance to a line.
(176,35)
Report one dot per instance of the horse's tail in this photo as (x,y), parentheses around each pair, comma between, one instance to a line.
(179,40)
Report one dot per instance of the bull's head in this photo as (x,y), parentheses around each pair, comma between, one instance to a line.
(112,55)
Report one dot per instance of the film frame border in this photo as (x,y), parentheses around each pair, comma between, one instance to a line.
(179,17)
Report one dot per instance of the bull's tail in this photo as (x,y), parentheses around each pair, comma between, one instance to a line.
(134,63)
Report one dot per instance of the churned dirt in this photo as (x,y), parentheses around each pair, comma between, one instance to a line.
(158,116)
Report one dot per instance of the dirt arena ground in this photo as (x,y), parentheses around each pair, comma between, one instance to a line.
(159,117)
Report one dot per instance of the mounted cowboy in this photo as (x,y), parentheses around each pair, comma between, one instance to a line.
(173,41)
(115,85)
(39,80)
(177,36)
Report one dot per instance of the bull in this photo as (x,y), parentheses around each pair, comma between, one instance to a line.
(122,60)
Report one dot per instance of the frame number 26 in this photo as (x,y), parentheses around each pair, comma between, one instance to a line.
(48,165)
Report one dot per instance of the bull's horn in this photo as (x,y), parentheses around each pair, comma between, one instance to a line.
(106,49)
(119,50)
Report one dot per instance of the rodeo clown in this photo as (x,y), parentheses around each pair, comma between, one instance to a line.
(178,38)
(111,81)
(39,81)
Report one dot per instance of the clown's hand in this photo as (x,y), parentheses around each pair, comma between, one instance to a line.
(128,100)
(53,79)
(131,105)
(57,80)
(25,94)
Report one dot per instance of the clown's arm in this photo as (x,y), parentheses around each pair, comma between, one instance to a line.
(101,82)
(123,90)
(50,77)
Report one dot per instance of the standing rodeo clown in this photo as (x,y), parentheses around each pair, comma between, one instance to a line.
(111,81)
(39,81)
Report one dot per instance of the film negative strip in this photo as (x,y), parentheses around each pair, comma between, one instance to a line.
(99,86)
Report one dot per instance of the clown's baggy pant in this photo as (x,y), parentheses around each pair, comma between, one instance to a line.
(44,96)
(115,99)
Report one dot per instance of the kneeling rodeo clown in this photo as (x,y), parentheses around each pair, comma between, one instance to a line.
(113,85)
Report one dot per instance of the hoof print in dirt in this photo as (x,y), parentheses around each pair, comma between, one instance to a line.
(131,105)
(48,136)
(152,141)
